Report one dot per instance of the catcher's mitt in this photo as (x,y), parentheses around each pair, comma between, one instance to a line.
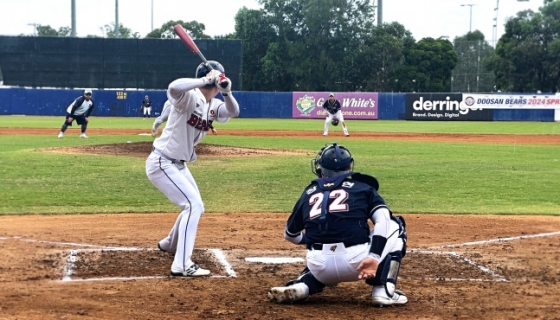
(334,122)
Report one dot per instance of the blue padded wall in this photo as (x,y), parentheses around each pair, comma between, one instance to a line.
(264,104)
(124,103)
(523,115)
(391,106)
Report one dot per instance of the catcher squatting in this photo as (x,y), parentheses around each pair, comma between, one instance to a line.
(331,220)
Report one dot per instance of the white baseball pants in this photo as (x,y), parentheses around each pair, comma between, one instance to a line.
(340,118)
(176,182)
(336,263)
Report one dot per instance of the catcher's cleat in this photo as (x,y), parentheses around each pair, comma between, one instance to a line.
(61,134)
(83,135)
(399,298)
(290,294)
(192,271)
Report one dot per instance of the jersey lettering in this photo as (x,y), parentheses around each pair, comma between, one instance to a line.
(199,123)
(338,204)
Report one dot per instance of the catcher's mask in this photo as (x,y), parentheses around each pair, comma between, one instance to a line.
(202,70)
(332,160)
(334,122)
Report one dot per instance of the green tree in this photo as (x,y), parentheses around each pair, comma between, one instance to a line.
(380,55)
(317,42)
(254,29)
(48,31)
(195,30)
(527,56)
(427,68)
(470,75)
(109,31)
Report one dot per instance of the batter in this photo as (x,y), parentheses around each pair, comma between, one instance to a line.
(193,107)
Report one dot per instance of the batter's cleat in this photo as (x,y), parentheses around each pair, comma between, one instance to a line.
(290,294)
(159,247)
(347,134)
(83,135)
(399,298)
(192,271)
(60,134)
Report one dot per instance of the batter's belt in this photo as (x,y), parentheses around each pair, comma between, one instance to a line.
(161,154)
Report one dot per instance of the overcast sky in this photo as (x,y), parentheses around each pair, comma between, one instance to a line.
(424,18)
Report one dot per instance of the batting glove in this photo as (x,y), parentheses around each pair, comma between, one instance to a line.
(211,77)
(224,84)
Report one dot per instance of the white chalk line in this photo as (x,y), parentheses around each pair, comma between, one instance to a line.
(218,254)
(482,268)
(72,257)
(498,240)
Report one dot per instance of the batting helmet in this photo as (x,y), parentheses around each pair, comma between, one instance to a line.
(332,160)
(203,69)
(334,122)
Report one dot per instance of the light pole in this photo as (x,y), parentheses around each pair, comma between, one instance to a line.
(34,25)
(469,5)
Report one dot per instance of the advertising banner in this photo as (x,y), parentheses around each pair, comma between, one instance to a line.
(442,107)
(512,102)
(355,105)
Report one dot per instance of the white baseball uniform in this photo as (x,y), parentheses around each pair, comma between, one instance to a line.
(189,118)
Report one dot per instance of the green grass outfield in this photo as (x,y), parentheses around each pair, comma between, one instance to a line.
(415,177)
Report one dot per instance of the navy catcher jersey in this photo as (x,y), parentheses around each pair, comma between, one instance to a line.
(336,209)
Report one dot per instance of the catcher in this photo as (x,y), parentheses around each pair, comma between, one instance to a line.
(331,220)
(332,106)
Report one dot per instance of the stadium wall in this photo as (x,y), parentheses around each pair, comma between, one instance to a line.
(126,103)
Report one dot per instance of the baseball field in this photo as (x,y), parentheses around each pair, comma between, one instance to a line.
(79,220)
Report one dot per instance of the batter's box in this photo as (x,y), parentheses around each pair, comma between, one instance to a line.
(445,265)
(125,263)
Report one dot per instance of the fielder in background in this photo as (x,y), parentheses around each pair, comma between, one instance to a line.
(146,107)
(331,220)
(332,106)
(79,110)
(192,109)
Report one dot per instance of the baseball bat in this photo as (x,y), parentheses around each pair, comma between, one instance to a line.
(188,41)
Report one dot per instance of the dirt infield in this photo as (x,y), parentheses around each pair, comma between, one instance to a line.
(107,266)
(62,267)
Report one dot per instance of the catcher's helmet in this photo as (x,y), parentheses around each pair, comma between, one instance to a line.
(334,122)
(332,160)
(203,69)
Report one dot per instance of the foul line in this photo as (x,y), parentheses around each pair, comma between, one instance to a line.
(498,240)
(467,260)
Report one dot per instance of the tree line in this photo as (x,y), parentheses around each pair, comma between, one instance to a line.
(334,45)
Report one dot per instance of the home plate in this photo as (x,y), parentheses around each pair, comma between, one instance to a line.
(273,259)
(144,134)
